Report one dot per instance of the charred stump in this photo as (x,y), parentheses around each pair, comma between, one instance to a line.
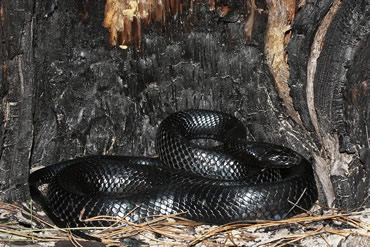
(72,87)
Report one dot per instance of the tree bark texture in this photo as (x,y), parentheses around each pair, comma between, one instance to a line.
(18,97)
(66,92)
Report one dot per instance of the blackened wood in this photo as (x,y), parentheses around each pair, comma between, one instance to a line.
(347,35)
(304,28)
(342,99)
(17,93)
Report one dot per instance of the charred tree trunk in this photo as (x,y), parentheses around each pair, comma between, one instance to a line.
(66,92)
(17,92)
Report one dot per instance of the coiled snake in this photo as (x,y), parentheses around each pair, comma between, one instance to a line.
(238,180)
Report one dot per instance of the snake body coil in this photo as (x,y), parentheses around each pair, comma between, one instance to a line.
(239,180)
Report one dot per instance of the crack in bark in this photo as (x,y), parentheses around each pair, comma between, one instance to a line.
(317,45)
(321,164)
(281,14)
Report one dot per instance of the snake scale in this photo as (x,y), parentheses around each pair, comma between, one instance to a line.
(238,180)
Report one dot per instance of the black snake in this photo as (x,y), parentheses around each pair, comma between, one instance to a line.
(238,180)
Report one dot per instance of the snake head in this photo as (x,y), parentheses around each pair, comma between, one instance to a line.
(262,154)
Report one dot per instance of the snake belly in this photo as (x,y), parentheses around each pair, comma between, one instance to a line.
(236,181)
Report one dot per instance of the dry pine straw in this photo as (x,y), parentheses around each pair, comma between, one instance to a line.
(20,224)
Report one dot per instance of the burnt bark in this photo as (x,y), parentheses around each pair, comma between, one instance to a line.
(17,94)
(342,101)
(304,28)
(66,92)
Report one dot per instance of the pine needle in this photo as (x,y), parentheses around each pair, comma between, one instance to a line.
(172,230)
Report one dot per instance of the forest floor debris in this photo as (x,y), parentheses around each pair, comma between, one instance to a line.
(19,225)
